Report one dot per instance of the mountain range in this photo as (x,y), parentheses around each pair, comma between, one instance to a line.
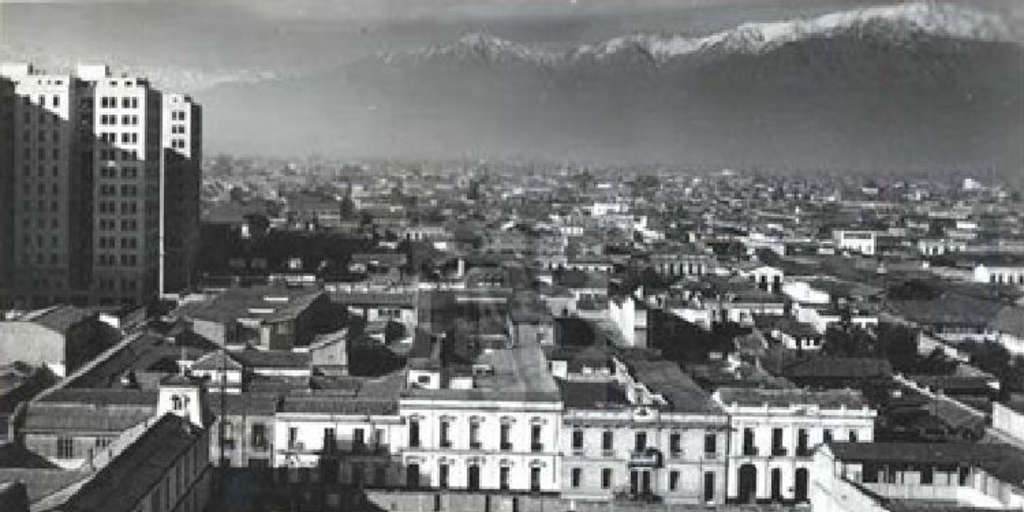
(917,86)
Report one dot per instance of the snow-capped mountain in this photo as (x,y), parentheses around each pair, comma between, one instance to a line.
(912,85)
(899,24)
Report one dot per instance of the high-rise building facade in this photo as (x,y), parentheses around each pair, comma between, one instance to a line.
(7,98)
(183,153)
(127,157)
(49,183)
(88,166)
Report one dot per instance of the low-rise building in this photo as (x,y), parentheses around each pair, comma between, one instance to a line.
(775,433)
(875,477)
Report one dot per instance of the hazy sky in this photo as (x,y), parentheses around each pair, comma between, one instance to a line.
(220,37)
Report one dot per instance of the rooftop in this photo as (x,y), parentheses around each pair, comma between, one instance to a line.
(830,399)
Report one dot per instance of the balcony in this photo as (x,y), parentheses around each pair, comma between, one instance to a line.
(475,445)
(803,451)
(445,443)
(506,447)
(647,458)
(750,451)
(778,451)
(536,447)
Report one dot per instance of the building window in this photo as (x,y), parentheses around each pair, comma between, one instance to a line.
(535,442)
(606,478)
(777,448)
(709,487)
(748,442)
(65,447)
(412,476)
(577,439)
(535,479)
(442,476)
(853,436)
(827,435)
(710,444)
(258,437)
(640,442)
(607,440)
(474,478)
(503,478)
(414,433)
(927,475)
(577,477)
(675,444)
(673,480)
(474,434)
(506,443)
(293,437)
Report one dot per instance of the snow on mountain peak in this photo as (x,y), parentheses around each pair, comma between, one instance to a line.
(895,21)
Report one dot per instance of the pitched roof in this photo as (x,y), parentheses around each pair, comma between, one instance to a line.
(58,318)
(132,474)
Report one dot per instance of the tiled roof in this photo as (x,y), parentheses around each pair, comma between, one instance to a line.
(326,403)
(58,318)
(830,399)
(129,477)
(252,358)
(592,395)
(48,417)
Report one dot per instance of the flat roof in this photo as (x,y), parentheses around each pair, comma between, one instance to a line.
(829,399)
(519,374)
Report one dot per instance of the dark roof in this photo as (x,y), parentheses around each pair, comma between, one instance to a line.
(248,403)
(665,378)
(252,358)
(1003,461)
(402,299)
(101,397)
(592,395)
(59,318)
(270,303)
(333,404)
(826,367)
(41,483)
(113,419)
(131,475)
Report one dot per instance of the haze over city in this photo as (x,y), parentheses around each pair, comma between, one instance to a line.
(799,85)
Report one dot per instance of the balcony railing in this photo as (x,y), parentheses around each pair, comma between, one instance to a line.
(779,451)
(750,450)
(536,447)
(506,447)
(648,458)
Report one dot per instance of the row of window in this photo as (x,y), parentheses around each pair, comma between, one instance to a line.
(109,242)
(111,224)
(111,102)
(111,120)
(40,188)
(110,260)
(126,137)
(802,441)
(505,443)
(26,136)
(640,441)
(41,154)
(26,223)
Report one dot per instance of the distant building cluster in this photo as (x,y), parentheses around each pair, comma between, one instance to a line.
(481,336)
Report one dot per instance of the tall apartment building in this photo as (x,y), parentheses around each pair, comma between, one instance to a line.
(183,153)
(127,121)
(50,181)
(7,98)
(87,188)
